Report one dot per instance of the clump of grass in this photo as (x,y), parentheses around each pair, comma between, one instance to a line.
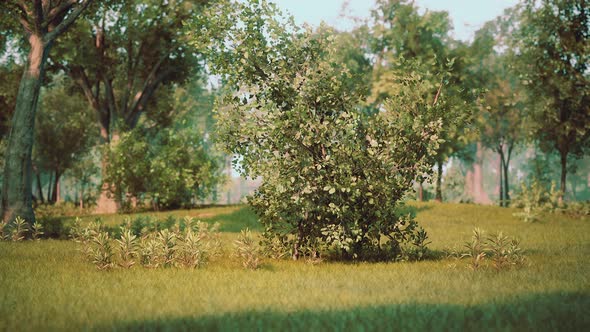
(246,250)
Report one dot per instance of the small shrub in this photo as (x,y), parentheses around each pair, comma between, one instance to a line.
(3,230)
(148,252)
(102,252)
(503,252)
(37,230)
(273,247)
(167,247)
(191,250)
(578,209)
(246,250)
(535,199)
(475,249)
(127,248)
(19,229)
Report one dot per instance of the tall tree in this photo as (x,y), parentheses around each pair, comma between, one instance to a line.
(123,55)
(43,22)
(501,110)
(404,40)
(552,50)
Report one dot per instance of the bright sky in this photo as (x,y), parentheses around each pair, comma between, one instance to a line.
(467,15)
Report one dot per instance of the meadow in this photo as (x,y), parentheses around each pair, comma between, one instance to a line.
(49,285)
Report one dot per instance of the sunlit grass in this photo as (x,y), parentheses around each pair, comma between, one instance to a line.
(49,285)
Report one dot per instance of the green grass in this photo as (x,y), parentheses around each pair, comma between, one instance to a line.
(48,285)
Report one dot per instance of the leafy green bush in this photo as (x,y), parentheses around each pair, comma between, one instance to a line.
(535,198)
(333,173)
(171,168)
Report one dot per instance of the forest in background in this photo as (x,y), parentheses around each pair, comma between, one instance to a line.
(126,116)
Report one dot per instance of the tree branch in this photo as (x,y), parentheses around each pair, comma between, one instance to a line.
(58,11)
(149,81)
(144,96)
(65,24)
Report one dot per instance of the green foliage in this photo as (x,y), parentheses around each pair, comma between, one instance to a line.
(534,199)
(426,295)
(65,130)
(155,247)
(247,251)
(550,52)
(503,251)
(331,173)
(475,249)
(18,229)
(101,251)
(37,230)
(173,169)
(127,247)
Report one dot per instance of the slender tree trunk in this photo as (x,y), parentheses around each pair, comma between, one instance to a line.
(17,185)
(421,192)
(505,165)
(439,166)
(39,186)
(56,198)
(49,186)
(500,178)
(562,186)
(81,196)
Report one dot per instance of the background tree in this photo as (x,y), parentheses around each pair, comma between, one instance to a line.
(501,115)
(552,50)
(123,55)
(42,22)
(65,131)
(402,40)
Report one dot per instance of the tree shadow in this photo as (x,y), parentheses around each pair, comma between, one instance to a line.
(536,312)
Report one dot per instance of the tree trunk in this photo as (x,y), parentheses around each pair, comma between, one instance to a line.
(506,164)
(49,186)
(39,187)
(421,192)
(107,204)
(500,172)
(17,185)
(56,190)
(52,199)
(438,196)
(474,179)
(81,196)
(562,186)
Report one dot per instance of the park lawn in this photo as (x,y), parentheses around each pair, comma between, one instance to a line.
(48,285)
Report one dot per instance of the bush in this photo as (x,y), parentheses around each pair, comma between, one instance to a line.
(535,199)
(171,168)
(333,173)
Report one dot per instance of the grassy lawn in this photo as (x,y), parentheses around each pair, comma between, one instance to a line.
(48,285)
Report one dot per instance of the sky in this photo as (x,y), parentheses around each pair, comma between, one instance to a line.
(467,15)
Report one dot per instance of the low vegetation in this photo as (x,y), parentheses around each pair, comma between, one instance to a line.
(548,292)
